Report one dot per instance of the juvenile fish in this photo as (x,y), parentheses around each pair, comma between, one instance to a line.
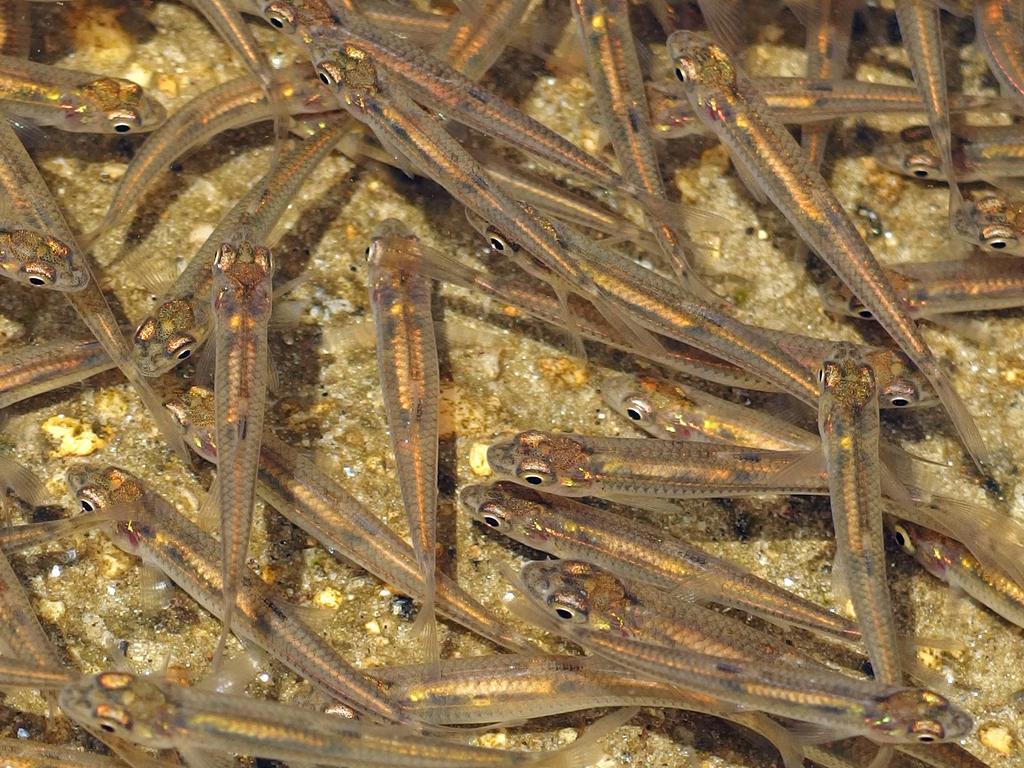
(598,611)
(14,538)
(804,101)
(949,560)
(726,101)
(163,715)
(233,104)
(573,531)
(848,423)
(163,538)
(183,320)
(623,468)
(998,24)
(243,273)
(980,153)
(992,222)
(672,411)
(38,368)
(477,36)
(307,497)
(78,102)
(410,384)
(931,288)
(489,689)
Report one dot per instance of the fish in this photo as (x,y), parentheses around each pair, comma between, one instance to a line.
(922,36)
(476,37)
(804,101)
(14,538)
(949,560)
(998,27)
(980,153)
(39,368)
(77,102)
(233,104)
(726,101)
(164,715)
(411,387)
(161,537)
(614,68)
(573,531)
(600,612)
(670,410)
(310,499)
(508,688)
(935,288)
(182,320)
(241,302)
(848,423)
(993,222)
(626,468)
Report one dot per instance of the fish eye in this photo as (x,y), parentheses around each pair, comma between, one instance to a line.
(329,74)
(637,410)
(919,173)
(903,539)
(867,314)
(87,506)
(680,75)
(122,127)
(998,241)
(491,521)
(497,242)
(107,727)
(39,275)
(35,280)
(531,474)
(821,375)
(565,613)
(182,350)
(899,402)
(925,738)
(281,17)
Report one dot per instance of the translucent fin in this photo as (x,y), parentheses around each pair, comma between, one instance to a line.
(205,364)
(882,758)
(840,582)
(200,758)
(425,628)
(810,464)
(235,673)
(22,482)
(632,333)
(586,750)
(650,503)
(961,418)
(725,21)
(789,748)
(966,327)
(749,179)
(812,733)
(209,511)
(155,590)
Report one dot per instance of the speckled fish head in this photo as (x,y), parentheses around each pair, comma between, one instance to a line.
(110,490)
(990,223)
(110,104)
(245,268)
(341,67)
(910,155)
(927,547)
(900,385)
(511,509)
(705,70)
(168,336)
(646,401)
(911,715)
(553,462)
(121,704)
(837,299)
(574,592)
(847,380)
(194,411)
(41,261)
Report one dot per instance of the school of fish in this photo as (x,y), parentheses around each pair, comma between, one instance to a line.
(315,441)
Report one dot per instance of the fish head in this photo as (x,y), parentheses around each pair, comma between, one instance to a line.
(112,104)
(929,548)
(41,261)
(917,716)
(547,461)
(575,592)
(703,67)
(169,336)
(195,413)
(912,155)
(989,222)
(121,704)
(846,378)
